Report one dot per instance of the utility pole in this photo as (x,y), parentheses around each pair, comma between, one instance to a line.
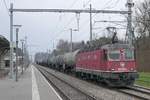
(31,59)
(11,42)
(22,41)
(129,4)
(25,51)
(71,40)
(90,22)
(71,46)
(17,30)
(17,63)
(78,19)
(53,45)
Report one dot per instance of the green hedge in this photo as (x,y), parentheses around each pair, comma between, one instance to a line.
(144,79)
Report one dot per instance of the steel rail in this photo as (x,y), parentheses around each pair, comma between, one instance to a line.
(139,89)
(88,97)
(127,91)
(148,89)
(61,93)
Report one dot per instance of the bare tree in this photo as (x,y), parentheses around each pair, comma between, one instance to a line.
(142,19)
(63,46)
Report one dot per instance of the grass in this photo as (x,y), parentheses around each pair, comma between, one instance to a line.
(144,79)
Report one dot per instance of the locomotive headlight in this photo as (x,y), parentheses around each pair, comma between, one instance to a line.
(131,69)
(112,69)
(122,64)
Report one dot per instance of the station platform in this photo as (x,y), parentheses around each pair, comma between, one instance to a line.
(30,86)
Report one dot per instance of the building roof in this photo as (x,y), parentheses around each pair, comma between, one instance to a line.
(4,44)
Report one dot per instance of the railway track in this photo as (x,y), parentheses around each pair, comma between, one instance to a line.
(139,92)
(129,93)
(141,87)
(66,90)
(136,91)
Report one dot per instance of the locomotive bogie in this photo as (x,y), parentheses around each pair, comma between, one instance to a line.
(110,78)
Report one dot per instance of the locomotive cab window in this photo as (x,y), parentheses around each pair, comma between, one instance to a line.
(105,55)
(129,54)
(114,55)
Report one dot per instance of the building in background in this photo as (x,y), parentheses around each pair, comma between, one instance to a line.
(4,52)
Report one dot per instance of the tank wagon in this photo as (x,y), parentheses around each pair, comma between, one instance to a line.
(113,64)
(70,60)
(64,62)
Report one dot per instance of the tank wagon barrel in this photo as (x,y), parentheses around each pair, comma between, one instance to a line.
(70,58)
(64,62)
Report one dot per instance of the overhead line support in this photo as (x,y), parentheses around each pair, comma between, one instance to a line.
(70,11)
(11,43)
(90,22)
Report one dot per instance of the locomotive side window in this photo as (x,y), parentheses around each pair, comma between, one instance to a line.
(78,59)
(105,55)
(114,55)
(95,57)
(89,56)
(129,54)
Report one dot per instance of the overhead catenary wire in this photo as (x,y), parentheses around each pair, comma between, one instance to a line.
(64,28)
(72,18)
(87,3)
(121,22)
(83,24)
(73,3)
(110,4)
(117,2)
(6,6)
(96,13)
(107,3)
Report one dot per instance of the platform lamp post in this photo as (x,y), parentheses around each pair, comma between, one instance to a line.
(17,60)
(11,42)
(71,30)
(22,42)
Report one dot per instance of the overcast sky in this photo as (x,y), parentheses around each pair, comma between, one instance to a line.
(44,29)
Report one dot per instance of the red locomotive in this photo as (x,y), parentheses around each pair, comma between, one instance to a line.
(113,64)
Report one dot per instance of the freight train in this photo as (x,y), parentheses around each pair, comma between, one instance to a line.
(113,64)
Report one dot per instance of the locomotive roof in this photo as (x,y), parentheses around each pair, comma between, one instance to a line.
(117,46)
